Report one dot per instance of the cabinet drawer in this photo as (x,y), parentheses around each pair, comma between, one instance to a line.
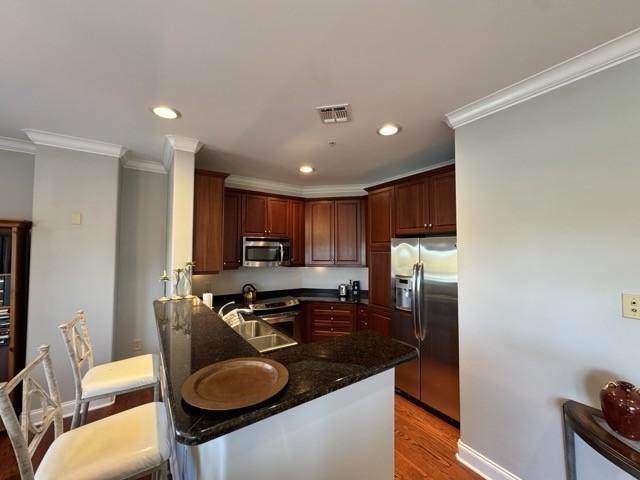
(331,307)
(344,327)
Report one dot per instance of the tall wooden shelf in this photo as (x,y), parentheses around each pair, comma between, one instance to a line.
(15,239)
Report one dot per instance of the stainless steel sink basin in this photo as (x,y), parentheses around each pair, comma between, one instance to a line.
(262,336)
(273,341)
(253,329)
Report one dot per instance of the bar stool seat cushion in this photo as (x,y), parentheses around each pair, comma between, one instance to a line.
(120,446)
(120,376)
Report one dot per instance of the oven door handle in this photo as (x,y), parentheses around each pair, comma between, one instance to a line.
(280,317)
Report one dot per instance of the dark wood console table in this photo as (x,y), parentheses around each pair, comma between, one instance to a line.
(589,424)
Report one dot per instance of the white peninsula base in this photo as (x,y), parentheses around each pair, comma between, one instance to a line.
(346,434)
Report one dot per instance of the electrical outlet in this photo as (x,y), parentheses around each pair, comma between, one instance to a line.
(631,305)
(136,345)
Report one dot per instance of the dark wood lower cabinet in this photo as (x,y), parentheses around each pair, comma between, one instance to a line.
(363,317)
(380,320)
(328,320)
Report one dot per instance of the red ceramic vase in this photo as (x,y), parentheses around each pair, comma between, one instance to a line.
(620,403)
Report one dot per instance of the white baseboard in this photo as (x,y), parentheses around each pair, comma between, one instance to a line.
(482,465)
(67,407)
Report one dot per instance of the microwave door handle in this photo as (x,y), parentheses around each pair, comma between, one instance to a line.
(281,253)
(414,311)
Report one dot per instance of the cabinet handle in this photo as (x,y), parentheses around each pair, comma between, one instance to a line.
(430,225)
(425,225)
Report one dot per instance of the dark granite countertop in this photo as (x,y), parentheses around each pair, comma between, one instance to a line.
(193,336)
(302,294)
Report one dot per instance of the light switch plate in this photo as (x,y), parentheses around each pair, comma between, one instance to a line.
(76,218)
(631,305)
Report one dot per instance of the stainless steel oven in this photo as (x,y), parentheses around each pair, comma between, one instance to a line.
(281,313)
(265,252)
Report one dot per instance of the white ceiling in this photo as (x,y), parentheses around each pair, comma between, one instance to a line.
(246,75)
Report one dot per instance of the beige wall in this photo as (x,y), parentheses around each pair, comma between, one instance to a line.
(141,258)
(548,236)
(73,266)
(16,185)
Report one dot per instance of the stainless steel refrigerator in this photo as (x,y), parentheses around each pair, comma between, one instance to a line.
(424,286)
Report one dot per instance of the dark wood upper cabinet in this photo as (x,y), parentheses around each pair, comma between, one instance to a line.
(254,215)
(319,220)
(232,251)
(347,232)
(296,232)
(208,210)
(380,217)
(442,202)
(410,207)
(334,232)
(426,204)
(277,217)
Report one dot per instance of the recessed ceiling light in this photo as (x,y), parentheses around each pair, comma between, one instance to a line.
(307,169)
(388,129)
(166,112)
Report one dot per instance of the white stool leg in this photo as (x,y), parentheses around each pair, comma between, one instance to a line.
(76,414)
(85,410)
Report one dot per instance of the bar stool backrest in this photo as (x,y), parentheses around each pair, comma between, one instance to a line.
(79,347)
(20,431)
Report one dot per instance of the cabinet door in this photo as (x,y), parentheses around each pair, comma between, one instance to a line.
(319,223)
(380,320)
(347,232)
(380,277)
(380,218)
(442,202)
(254,215)
(232,231)
(410,213)
(296,232)
(363,317)
(277,217)
(208,221)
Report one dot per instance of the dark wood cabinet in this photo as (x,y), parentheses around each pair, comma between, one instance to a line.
(328,319)
(208,212)
(380,216)
(442,201)
(410,207)
(333,232)
(232,249)
(380,320)
(363,317)
(264,216)
(380,276)
(319,220)
(277,217)
(254,215)
(347,236)
(15,237)
(426,204)
(296,232)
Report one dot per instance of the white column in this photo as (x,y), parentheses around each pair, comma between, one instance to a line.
(180,162)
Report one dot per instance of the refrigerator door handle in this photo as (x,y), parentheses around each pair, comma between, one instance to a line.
(414,303)
(421,316)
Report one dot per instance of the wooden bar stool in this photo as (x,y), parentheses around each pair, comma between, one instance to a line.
(104,380)
(126,445)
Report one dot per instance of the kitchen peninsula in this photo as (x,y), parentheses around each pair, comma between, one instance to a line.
(334,419)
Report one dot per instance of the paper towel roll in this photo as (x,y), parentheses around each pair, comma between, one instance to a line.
(207,299)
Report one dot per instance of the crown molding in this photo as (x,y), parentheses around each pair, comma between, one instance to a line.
(78,144)
(177,142)
(17,145)
(602,57)
(318,191)
(143,165)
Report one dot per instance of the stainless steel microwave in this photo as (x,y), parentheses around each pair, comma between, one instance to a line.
(265,252)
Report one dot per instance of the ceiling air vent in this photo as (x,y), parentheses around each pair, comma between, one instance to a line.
(335,113)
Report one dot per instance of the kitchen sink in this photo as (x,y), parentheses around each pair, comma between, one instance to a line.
(273,341)
(262,336)
(253,329)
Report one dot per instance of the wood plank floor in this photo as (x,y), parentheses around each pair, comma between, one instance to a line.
(425,446)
